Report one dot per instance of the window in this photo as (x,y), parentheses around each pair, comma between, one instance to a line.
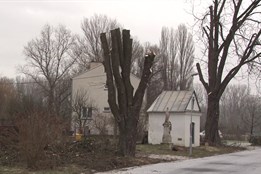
(86,112)
(193,132)
(106,109)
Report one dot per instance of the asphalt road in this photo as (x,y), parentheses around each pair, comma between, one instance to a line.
(244,162)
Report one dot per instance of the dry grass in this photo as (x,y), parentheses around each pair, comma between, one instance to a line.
(72,169)
(81,158)
(198,152)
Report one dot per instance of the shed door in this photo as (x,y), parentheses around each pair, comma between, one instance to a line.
(193,132)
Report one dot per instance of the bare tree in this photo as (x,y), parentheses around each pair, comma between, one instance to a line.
(232,31)
(82,108)
(7,97)
(252,115)
(168,50)
(89,46)
(102,122)
(186,56)
(124,103)
(177,52)
(232,108)
(48,63)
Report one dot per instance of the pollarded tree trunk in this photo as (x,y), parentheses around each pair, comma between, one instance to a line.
(127,138)
(125,105)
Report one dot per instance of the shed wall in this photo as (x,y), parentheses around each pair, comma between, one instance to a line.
(180,132)
(196,120)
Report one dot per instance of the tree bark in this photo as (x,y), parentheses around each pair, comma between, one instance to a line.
(211,126)
(127,138)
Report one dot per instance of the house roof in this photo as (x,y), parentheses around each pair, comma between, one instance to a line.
(176,101)
(84,72)
(101,73)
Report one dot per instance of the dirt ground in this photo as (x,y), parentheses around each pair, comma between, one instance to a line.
(74,157)
(97,155)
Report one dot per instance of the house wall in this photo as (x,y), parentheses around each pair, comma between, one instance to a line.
(93,82)
(180,132)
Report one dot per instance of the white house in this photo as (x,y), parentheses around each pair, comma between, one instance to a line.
(93,82)
(181,113)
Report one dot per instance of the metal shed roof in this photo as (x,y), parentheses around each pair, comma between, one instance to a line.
(176,101)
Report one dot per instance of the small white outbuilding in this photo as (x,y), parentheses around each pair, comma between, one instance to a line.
(183,109)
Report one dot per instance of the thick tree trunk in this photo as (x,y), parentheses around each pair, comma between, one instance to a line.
(211,126)
(127,139)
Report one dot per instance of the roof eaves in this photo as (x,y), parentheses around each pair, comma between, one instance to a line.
(87,71)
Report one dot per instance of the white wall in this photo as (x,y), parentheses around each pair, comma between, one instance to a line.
(180,128)
(155,128)
(93,81)
(178,131)
(195,104)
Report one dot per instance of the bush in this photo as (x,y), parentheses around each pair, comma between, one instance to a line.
(33,131)
(255,140)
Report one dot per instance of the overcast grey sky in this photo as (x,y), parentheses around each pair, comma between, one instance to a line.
(22,20)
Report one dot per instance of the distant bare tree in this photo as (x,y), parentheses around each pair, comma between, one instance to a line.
(48,63)
(89,46)
(168,50)
(185,56)
(7,97)
(231,34)
(177,53)
(239,111)
(252,114)
(232,109)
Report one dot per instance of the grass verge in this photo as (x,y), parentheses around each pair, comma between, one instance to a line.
(198,152)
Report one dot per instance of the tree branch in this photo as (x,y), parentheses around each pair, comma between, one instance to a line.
(201,78)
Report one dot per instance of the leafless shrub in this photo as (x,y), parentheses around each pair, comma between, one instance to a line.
(102,122)
(37,130)
(33,132)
